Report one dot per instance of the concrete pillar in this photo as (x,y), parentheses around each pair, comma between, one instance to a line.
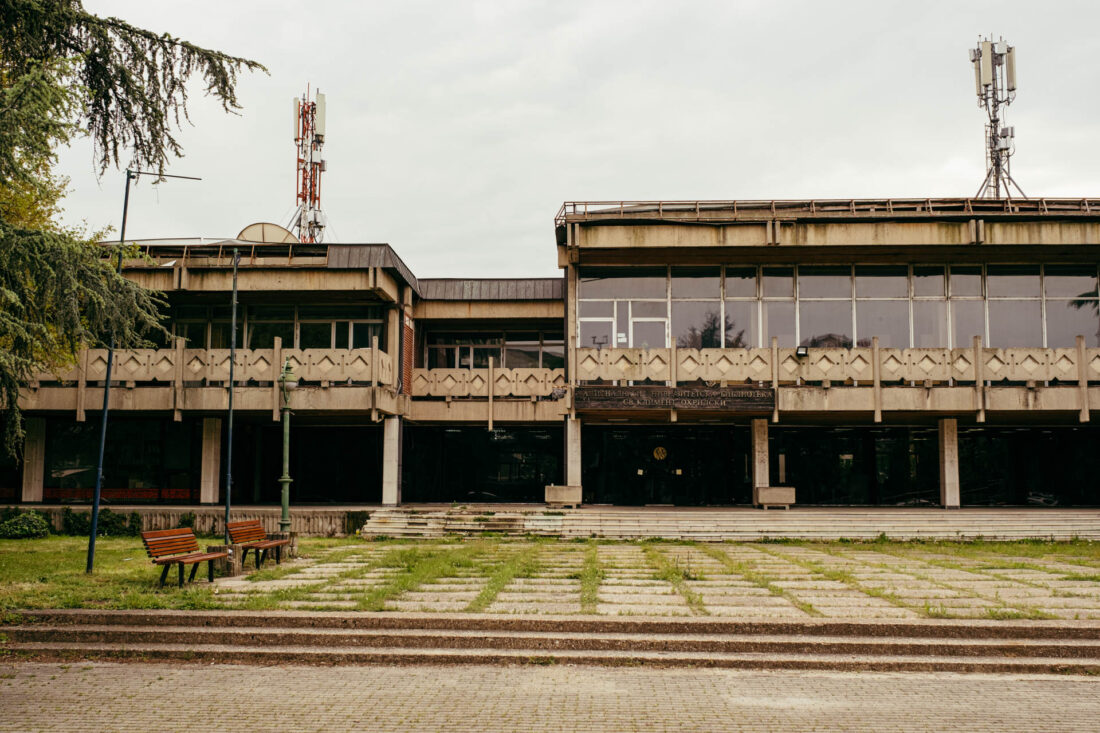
(34,458)
(949,463)
(572,451)
(391,461)
(760,477)
(210,479)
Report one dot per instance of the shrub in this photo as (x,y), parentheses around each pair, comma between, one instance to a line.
(25,525)
(110,524)
(73,523)
(187,520)
(354,521)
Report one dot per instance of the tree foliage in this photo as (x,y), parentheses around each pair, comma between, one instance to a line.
(67,72)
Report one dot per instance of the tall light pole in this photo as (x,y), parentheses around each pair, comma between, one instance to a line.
(131,175)
(287,382)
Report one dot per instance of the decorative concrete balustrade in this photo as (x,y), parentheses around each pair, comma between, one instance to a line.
(477,382)
(841,366)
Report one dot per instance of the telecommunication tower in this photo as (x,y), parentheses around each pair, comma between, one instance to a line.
(308,222)
(995,84)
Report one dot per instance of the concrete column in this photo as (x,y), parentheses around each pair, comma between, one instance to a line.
(572,451)
(391,461)
(760,477)
(34,458)
(949,463)
(209,482)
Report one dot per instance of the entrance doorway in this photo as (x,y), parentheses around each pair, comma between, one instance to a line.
(681,465)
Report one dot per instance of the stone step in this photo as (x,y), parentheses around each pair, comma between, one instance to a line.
(292,654)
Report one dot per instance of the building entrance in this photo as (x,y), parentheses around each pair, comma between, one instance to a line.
(686,465)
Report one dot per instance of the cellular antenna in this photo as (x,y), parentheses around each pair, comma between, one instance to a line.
(995,84)
(308,222)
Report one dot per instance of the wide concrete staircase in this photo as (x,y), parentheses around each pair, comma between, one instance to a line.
(266,638)
(718,524)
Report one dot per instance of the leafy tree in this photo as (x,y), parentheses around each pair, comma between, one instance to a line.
(66,72)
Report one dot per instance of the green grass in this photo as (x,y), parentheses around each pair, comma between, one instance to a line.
(675,574)
(417,565)
(520,564)
(591,576)
(759,579)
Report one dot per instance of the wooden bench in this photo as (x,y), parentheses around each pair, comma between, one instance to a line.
(250,535)
(170,547)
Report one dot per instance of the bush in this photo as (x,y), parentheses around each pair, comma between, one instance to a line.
(187,520)
(25,525)
(110,524)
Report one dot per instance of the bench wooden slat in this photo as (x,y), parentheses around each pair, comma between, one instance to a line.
(168,547)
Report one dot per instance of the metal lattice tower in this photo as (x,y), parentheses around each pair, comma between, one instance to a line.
(308,222)
(995,84)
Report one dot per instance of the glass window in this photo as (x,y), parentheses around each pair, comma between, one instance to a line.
(194,332)
(442,357)
(262,335)
(928,281)
(1068,319)
(647,309)
(889,281)
(1015,323)
(966,280)
(219,335)
(623,282)
(1070,281)
(887,319)
(362,335)
(740,324)
(696,282)
(482,355)
(696,325)
(741,282)
(778,317)
(521,354)
(189,312)
(596,335)
(930,324)
(1012,281)
(342,333)
(649,335)
(315,335)
(825,282)
(271,313)
(826,324)
(590,308)
(967,320)
(553,355)
(778,282)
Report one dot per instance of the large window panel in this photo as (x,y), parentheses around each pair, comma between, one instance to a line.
(315,335)
(697,325)
(262,335)
(778,317)
(825,323)
(1070,281)
(825,282)
(521,354)
(596,335)
(696,282)
(648,335)
(928,281)
(887,319)
(1012,281)
(1015,323)
(885,281)
(1068,319)
(967,321)
(930,324)
(596,308)
(741,282)
(632,282)
(777,282)
(966,281)
(740,325)
(648,309)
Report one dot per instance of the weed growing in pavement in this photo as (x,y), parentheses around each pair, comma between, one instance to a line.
(672,573)
(759,579)
(520,564)
(591,576)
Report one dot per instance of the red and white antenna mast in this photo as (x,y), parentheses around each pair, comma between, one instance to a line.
(308,222)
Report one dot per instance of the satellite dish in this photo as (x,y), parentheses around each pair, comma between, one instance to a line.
(268,233)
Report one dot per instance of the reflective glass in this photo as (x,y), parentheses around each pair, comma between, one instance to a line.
(342,332)
(695,325)
(886,281)
(519,355)
(741,324)
(314,335)
(262,335)
(362,335)
(1070,281)
(482,356)
(778,282)
(594,308)
(623,282)
(887,319)
(1015,323)
(596,335)
(778,317)
(740,282)
(194,332)
(825,282)
(648,309)
(825,324)
(966,280)
(649,335)
(553,356)
(1012,281)
(930,324)
(967,321)
(1068,319)
(441,357)
(928,281)
(696,282)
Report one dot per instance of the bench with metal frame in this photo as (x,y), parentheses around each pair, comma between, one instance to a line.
(170,547)
(250,535)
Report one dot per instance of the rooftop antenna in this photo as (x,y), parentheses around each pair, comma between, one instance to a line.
(995,84)
(308,222)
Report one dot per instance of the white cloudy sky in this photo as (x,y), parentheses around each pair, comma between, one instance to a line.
(456,129)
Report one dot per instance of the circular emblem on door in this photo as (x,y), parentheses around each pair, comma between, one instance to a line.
(660,453)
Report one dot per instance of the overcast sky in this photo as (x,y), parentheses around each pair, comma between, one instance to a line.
(457,129)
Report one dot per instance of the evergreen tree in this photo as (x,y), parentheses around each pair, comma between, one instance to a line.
(65,72)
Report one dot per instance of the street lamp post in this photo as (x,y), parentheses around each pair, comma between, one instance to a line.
(287,382)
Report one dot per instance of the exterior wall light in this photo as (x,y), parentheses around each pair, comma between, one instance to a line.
(801,352)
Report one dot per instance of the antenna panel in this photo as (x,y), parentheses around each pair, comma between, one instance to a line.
(319,123)
(1010,68)
(297,115)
